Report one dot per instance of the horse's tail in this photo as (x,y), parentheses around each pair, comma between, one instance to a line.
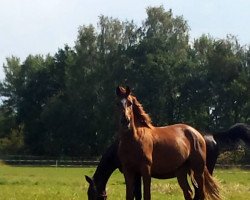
(242,131)
(211,186)
(239,131)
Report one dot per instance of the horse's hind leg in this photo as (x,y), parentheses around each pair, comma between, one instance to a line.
(183,182)
(196,191)
(199,178)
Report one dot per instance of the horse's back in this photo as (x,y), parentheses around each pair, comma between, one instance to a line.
(175,144)
(177,131)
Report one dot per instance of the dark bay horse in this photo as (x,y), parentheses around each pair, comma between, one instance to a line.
(108,164)
(161,152)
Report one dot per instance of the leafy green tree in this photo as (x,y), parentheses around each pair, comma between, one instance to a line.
(63,105)
(161,52)
(224,71)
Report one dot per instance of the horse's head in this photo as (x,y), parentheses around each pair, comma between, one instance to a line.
(93,193)
(124,104)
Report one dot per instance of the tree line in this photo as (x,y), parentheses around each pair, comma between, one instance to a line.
(63,105)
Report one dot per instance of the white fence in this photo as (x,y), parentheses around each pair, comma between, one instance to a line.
(43,161)
(74,162)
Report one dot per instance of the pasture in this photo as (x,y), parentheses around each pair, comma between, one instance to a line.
(48,183)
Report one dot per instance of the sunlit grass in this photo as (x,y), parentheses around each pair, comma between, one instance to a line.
(38,183)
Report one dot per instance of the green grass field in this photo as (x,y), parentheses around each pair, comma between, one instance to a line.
(41,183)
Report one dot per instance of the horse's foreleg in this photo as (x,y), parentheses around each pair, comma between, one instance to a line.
(146,177)
(129,180)
(137,187)
(146,187)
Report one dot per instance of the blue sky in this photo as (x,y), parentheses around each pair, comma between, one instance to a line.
(43,26)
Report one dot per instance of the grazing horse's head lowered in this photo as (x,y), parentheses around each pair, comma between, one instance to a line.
(93,193)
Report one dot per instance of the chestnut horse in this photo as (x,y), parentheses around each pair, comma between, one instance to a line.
(161,152)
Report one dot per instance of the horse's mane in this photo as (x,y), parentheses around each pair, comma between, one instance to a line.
(141,115)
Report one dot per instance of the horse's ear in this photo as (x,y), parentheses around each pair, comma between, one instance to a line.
(88,179)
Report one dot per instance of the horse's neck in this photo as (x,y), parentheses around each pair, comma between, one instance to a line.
(100,182)
(108,164)
(102,175)
(137,126)
(131,134)
(127,134)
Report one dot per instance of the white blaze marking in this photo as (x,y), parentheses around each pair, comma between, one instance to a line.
(123,101)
